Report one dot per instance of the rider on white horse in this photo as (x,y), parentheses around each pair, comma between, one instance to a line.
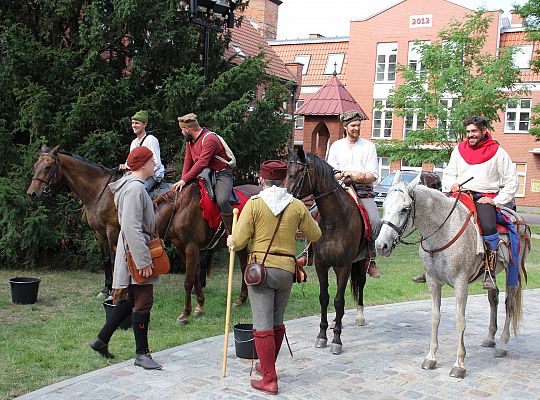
(494,184)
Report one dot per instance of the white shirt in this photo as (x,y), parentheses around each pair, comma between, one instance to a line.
(497,174)
(151,143)
(360,157)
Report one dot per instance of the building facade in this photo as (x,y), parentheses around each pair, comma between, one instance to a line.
(366,62)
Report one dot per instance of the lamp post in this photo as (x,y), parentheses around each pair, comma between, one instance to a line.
(211,15)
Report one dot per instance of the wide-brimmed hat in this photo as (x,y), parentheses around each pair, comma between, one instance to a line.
(274,170)
(138,157)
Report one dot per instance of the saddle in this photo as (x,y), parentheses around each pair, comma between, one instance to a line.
(208,178)
(355,196)
(467,200)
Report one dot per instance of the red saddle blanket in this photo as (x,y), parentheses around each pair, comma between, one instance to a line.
(210,210)
(365,216)
(468,202)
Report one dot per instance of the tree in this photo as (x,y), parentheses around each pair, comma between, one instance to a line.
(453,81)
(72,72)
(530,12)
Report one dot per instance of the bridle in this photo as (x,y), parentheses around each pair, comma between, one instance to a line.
(299,184)
(411,210)
(52,174)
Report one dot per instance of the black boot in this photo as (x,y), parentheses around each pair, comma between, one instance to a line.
(227,220)
(490,282)
(118,314)
(140,330)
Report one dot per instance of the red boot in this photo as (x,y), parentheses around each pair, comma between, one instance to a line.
(279,333)
(266,349)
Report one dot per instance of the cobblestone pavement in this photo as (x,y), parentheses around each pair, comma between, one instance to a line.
(381,360)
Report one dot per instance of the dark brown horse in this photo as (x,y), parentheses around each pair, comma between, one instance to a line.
(342,246)
(180,220)
(89,183)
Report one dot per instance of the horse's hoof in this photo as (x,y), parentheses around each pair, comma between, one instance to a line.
(457,372)
(501,353)
(321,343)
(429,364)
(488,343)
(198,313)
(335,348)
(238,303)
(182,319)
(360,321)
(103,294)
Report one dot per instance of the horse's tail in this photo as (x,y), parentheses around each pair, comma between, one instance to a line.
(358,280)
(518,308)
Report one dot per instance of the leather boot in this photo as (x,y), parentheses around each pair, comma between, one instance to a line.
(372,269)
(279,333)
(140,331)
(266,349)
(227,221)
(490,281)
(118,314)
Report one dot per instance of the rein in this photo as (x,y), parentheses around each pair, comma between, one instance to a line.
(52,174)
(300,184)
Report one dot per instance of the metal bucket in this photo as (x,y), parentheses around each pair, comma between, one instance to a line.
(109,307)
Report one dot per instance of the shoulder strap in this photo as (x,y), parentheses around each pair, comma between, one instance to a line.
(273,236)
(143,139)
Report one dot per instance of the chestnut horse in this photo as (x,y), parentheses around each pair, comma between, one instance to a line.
(342,246)
(180,220)
(89,183)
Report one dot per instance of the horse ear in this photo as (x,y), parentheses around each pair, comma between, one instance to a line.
(44,149)
(397,178)
(301,155)
(55,150)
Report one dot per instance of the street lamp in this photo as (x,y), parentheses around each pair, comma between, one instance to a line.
(211,15)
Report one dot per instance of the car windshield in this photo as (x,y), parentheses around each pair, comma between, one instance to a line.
(405,177)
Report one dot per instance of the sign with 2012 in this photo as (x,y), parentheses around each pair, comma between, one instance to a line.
(421,21)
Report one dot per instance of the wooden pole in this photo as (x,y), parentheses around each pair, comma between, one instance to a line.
(229,290)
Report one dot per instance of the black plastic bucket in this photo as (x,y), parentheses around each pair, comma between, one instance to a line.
(24,290)
(244,342)
(109,307)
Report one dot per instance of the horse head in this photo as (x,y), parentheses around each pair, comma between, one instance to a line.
(298,171)
(398,216)
(46,172)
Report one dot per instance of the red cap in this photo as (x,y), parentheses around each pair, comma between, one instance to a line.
(274,170)
(138,157)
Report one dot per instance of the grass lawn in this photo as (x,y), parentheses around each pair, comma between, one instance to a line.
(47,342)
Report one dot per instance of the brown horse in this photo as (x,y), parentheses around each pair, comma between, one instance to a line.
(180,220)
(342,242)
(89,183)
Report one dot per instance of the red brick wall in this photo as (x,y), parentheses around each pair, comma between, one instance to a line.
(265,12)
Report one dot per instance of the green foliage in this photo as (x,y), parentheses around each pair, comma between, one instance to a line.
(73,72)
(452,67)
(531,12)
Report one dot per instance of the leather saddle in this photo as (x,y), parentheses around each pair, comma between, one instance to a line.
(209,180)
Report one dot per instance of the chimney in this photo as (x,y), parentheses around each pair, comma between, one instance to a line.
(265,14)
(315,36)
(517,20)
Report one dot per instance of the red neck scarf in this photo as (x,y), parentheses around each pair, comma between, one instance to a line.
(480,153)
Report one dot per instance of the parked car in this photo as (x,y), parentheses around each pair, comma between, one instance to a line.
(381,189)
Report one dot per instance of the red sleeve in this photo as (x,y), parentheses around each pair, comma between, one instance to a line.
(209,148)
(188,161)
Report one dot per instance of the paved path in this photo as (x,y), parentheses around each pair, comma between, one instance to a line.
(379,361)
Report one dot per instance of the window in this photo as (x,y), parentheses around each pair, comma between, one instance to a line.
(334,62)
(444,122)
(414,56)
(303,59)
(238,50)
(382,120)
(413,122)
(522,56)
(439,167)
(299,119)
(518,113)
(407,165)
(384,167)
(521,169)
(386,62)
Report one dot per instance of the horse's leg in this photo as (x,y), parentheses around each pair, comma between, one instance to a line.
(461,292)
(510,303)
(242,256)
(493,297)
(430,362)
(358,281)
(191,263)
(324,298)
(108,254)
(342,274)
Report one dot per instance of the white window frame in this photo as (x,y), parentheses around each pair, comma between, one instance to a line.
(334,62)
(415,125)
(298,119)
(521,188)
(386,62)
(414,61)
(522,57)
(384,167)
(384,115)
(303,59)
(520,111)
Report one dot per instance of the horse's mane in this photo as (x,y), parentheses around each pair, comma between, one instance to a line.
(167,197)
(109,171)
(322,169)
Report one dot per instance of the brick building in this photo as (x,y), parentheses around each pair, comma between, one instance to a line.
(365,62)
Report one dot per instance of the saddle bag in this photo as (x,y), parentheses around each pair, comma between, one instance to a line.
(160,261)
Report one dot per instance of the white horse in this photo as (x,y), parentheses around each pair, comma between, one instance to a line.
(450,258)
